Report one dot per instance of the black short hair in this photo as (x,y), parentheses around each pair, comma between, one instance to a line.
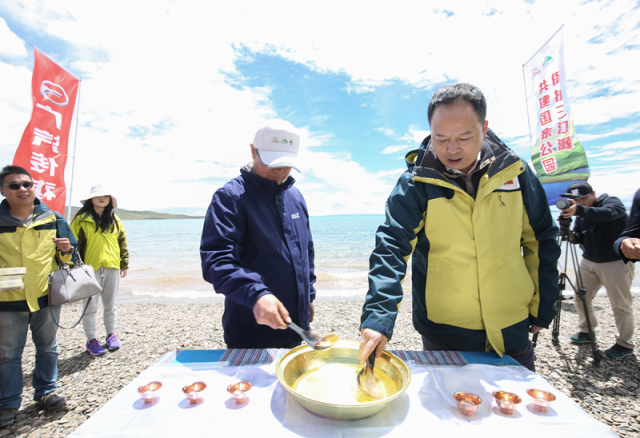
(449,93)
(13,170)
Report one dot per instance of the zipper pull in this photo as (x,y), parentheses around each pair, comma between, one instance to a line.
(500,197)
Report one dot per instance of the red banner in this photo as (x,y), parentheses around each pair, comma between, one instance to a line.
(43,148)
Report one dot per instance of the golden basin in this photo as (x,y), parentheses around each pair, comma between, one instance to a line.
(324,382)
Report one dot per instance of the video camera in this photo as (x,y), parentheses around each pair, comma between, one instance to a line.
(564,222)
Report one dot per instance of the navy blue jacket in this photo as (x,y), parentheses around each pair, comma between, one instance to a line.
(598,226)
(633,227)
(256,240)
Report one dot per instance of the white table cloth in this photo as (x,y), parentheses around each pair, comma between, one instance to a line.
(426,409)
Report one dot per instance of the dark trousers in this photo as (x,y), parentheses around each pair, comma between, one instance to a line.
(523,356)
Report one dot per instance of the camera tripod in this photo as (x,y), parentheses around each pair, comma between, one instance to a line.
(579,289)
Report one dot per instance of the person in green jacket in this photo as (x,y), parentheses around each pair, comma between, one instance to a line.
(103,245)
(477,224)
(31,236)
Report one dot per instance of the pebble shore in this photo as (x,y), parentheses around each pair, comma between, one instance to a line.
(610,392)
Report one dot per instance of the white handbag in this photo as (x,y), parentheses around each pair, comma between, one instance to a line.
(68,285)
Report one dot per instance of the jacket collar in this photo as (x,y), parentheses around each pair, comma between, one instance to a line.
(40,210)
(494,153)
(256,180)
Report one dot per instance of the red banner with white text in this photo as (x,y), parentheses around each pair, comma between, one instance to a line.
(43,148)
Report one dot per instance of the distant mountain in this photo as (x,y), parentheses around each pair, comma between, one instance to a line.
(131,215)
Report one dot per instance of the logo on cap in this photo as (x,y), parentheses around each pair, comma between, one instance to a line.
(575,192)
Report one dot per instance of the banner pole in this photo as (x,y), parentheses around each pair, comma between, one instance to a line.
(526,103)
(75,142)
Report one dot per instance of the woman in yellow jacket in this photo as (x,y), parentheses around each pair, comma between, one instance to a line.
(102,243)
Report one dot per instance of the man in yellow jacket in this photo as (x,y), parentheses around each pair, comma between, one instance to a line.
(477,224)
(30,236)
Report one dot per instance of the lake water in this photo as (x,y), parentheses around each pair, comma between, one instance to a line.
(165,258)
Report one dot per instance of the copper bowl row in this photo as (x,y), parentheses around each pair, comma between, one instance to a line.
(238,391)
(468,402)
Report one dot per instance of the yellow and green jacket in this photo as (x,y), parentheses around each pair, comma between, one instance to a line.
(31,247)
(98,248)
(483,269)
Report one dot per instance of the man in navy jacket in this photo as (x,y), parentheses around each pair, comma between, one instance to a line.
(628,244)
(599,222)
(257,248)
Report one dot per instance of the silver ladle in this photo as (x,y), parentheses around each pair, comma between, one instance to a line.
(366,379)
(314,341)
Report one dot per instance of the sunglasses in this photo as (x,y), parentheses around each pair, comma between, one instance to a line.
(16,185)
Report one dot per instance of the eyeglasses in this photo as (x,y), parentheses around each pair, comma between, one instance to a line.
(14,185)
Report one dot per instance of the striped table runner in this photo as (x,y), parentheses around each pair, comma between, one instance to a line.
(266,356)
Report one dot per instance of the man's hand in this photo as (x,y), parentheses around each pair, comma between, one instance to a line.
(534,329)
(371,340)
(573,237)
(313,312)
(123,273)
(62,244)
(631,248)
(571,211)
(270,311)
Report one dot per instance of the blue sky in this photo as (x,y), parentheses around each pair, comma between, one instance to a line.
(172,92)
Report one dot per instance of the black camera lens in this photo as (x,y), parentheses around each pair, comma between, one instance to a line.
(563,204)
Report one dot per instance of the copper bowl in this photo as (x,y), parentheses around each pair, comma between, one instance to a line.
(239,391)
(507,401)
(148,392)
(324,382)
(468,402)
(541,399)
(193,392)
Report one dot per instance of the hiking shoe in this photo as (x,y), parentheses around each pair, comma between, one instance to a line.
(581,338)
(112,342)
(7,417)
(95,349)
(618,351)
(51,401)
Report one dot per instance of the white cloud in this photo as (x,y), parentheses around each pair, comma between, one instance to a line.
(11,46)
(631,128)
(386,131)
(415,135)
(15,109)
(623,187)
(395,149)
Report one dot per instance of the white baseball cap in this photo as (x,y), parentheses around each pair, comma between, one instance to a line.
(99,191)
(277,144)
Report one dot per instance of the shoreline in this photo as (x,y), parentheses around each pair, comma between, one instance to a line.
(148,330)
(162,297)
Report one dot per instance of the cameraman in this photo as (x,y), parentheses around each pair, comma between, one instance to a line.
(599,223)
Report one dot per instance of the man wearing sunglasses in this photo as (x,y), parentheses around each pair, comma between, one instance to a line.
(30,236)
